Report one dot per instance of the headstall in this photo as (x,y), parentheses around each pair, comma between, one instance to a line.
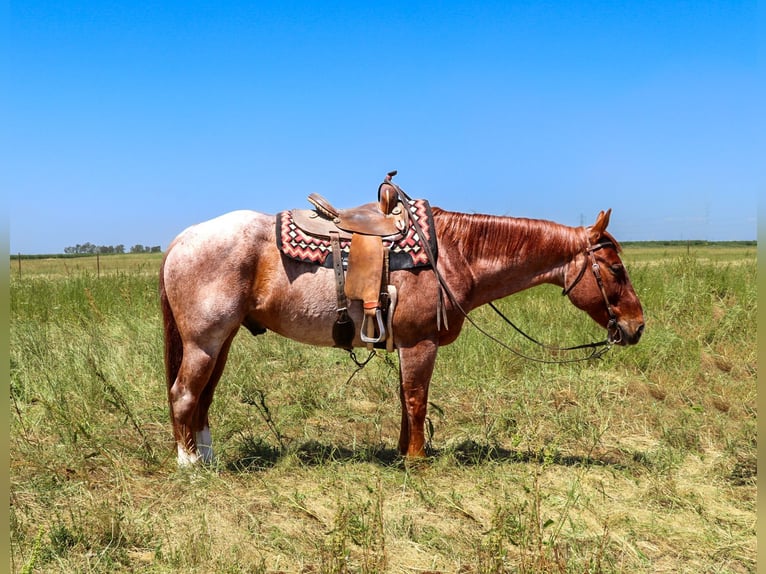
(596,268)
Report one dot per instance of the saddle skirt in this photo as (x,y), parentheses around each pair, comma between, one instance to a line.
(405,251)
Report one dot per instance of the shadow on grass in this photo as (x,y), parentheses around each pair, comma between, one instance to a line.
(256,455)
(472,453)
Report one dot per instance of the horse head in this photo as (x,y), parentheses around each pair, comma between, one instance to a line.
(597,282)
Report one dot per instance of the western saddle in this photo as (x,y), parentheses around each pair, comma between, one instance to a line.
(366,276)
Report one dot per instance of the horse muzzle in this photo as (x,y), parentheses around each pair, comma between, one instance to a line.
(625,332)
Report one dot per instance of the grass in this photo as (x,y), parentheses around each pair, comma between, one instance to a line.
(644,461)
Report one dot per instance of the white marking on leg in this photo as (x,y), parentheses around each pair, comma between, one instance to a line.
(186,458)
(205,445)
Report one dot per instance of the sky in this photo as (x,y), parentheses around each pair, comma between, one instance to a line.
(126,122)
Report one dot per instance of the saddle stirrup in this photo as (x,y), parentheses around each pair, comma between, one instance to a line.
(367,330)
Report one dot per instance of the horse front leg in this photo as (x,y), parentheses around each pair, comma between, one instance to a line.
(416,365)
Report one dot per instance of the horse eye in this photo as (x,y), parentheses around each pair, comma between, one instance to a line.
(617,268)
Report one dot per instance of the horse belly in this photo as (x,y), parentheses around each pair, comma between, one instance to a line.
(299,304)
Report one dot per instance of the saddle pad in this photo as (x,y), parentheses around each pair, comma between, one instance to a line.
(405,252)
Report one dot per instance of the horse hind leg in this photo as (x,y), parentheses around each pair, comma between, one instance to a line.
(184,395)
(190,397)
(203,438)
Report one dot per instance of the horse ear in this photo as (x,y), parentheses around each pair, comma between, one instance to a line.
(597,229)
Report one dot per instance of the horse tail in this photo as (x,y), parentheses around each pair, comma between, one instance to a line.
(173,344)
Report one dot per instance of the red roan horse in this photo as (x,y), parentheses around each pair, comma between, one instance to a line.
(228,272)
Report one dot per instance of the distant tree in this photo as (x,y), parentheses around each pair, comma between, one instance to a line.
(91,249)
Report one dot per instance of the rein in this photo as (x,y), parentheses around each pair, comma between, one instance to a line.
(444,289)
(595,355)
(606,343)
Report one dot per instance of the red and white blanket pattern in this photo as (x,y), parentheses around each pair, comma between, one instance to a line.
(405,252)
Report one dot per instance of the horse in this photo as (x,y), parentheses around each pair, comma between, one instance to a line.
(228,272)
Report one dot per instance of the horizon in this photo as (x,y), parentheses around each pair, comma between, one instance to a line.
(152,250)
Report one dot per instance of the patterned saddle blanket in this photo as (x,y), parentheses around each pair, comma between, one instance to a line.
(405,251)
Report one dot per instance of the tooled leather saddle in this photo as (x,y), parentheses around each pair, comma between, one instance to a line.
(362,244)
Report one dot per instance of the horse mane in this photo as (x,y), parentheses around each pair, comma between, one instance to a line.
(481,235)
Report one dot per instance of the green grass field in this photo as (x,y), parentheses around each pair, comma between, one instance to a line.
(644,461)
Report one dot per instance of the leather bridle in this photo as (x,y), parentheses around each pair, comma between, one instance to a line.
(612,325)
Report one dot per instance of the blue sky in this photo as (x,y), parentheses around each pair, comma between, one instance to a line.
(128,121)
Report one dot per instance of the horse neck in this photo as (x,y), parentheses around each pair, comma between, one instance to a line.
(505,255)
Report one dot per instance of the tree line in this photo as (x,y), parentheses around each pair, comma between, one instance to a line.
(91,249)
